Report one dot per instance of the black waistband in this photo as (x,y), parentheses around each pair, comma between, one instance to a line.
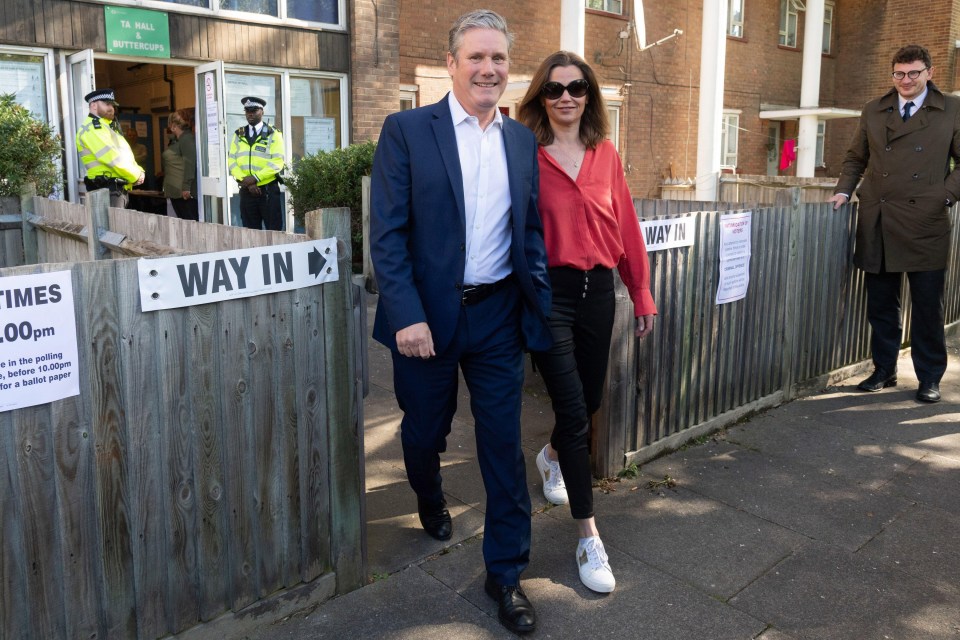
(474,293)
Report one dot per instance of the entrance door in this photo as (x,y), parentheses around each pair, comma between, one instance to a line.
(211,132)
(80,82)
(773,149)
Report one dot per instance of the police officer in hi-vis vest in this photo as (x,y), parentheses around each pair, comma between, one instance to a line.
(104,152)
(256,160)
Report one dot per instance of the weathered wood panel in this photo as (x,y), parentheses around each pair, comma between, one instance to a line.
(193,473)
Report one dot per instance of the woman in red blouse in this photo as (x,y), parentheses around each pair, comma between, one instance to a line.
(590,226)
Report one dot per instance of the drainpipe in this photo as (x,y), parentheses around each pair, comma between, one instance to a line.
(573,19)
(810,88)
(169,81)
(713,54)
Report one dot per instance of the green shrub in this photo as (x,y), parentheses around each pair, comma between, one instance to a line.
(333,179)
(30,152)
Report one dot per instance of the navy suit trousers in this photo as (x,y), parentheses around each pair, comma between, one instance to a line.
(487,348)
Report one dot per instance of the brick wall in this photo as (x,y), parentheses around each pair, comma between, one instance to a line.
(658,89)
(375,65)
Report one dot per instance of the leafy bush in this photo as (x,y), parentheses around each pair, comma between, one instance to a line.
(30,152)
(333,179)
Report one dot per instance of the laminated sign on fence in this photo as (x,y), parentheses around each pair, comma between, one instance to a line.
(38,340)
(735,234)
(183,281)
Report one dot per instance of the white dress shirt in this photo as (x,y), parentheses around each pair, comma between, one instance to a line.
(486,196)
(917,103)
(254,130)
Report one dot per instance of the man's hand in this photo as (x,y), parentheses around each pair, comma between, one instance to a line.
(254,190)
(644,326)
(140,179)
(186,195)
(838,200)
(416,341)
(248,182)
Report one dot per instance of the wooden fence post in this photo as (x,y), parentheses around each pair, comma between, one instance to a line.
(369,277)
(791,328)
(347,528)
(98,219)
(29,231)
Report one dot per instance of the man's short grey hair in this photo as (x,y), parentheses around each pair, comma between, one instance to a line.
(478,19)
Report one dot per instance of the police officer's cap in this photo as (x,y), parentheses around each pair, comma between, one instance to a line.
(106,95)
(250,103)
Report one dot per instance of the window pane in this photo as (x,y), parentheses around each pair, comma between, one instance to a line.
(315,116)
(241,85)
(314,10)
(263,7)
(205,4)
(25,78)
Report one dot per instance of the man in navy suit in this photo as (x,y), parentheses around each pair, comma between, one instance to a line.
(458,251)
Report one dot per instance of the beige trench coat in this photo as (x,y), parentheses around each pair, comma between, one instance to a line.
(907,182)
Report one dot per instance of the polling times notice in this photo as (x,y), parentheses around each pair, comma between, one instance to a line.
(38,340)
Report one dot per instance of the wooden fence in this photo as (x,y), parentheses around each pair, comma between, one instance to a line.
(212,459)
(771,190)
(801,326)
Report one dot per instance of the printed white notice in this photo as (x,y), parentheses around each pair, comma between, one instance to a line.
(667,234)
(38,340)
(184,281)
(212,110)
(319,134)
(735,232)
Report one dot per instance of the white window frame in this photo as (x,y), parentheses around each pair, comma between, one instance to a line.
(789,19)
(49,79)
(609,6)
(409,92)
(613,114)
(735,25)
(215,10)
(829,8)
(821,143)
(731,125)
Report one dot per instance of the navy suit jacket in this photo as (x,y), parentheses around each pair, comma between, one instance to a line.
(418,227)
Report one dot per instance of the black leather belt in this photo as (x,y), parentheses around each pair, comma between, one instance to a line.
(474,293)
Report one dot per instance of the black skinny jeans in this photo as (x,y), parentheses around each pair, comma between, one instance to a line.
(574,370)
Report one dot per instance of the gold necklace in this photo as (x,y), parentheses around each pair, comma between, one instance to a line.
(564,157)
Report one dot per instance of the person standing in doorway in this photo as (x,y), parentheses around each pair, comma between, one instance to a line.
(590,227)
(902,149)
(104,153)
(180,166)
(255,160)
(458,250)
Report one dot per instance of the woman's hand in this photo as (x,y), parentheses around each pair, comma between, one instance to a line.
(644,326)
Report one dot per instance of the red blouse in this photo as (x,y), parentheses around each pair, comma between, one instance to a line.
(591,222)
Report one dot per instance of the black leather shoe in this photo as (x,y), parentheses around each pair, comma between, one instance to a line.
(435,520)
(514,610)
(929,392)
(879,379)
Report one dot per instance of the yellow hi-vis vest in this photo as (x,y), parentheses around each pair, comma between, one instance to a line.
(263,159)
(104,152)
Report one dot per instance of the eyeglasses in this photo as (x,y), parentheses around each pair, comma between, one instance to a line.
(576,89)
(913,75)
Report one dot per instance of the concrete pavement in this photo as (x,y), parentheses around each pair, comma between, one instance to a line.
(836,516)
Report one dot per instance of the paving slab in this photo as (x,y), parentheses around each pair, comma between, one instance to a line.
(826,593)
(675,531)
(797,497)
(407,605)
(934,480)
(646,604)
(924,542)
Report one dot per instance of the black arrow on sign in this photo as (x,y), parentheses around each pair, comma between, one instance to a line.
(316,262)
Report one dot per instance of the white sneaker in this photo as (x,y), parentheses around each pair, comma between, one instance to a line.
(554,490)
(594,566)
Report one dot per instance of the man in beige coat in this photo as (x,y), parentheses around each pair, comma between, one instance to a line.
(902,149)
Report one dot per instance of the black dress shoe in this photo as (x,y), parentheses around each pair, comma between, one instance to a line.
(879,379)
(435,520)
(514,610)
(929,392)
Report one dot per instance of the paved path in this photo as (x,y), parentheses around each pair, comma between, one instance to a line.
(832,517)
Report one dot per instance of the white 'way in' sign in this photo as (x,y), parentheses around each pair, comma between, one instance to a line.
(668,234)
(182,281)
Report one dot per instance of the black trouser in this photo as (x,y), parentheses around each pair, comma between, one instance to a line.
(928,347)
(263,210)
(186,209)
(574,371)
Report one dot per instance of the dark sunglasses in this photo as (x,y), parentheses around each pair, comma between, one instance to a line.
(576,89)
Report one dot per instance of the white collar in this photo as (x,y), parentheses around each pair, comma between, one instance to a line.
(917,102)
(460,114)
